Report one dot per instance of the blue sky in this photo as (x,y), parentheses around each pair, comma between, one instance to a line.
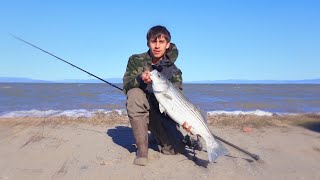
(217,40)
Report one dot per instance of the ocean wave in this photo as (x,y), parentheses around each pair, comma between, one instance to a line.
(256,113)
(6,87)
(69,113)
(122,112)
(236,113)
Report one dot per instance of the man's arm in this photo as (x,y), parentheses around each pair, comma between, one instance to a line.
(131,78)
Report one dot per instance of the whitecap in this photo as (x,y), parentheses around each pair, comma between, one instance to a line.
(236,113)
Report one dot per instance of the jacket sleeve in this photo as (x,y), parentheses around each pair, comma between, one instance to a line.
(176,79)
(131,78)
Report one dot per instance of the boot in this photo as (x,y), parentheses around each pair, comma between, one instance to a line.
(140,132)
(138,113)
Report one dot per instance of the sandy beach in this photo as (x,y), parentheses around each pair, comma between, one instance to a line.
(102,148)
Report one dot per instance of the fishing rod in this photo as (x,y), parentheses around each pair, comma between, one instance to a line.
(254,156)
(67,62)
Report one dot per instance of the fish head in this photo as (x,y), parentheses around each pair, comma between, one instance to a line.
(159,82)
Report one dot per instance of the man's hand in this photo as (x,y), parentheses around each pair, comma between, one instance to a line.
(145,76)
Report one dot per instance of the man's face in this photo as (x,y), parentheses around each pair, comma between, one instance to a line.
(158,47)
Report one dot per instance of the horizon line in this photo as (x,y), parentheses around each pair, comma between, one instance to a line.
(21,79)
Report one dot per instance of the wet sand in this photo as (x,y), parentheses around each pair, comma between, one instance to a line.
(102,148)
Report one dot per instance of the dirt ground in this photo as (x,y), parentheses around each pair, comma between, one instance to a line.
(102,148)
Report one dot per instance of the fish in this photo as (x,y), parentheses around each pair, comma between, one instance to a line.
(173,103)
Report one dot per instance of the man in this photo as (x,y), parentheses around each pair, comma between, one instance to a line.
(142,106)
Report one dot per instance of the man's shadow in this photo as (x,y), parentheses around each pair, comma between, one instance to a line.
(123,136)
(313,126)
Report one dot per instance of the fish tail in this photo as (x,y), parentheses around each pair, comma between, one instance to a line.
(215,152)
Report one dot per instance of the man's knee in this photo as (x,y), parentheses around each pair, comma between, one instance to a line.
(137,100)
(134,92)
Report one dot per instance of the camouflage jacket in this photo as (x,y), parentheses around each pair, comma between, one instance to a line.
(137,63)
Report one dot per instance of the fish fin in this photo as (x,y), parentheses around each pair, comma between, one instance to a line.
(165,93)
(214,153)
(161,108)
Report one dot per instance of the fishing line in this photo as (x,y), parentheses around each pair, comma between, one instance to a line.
(66,62)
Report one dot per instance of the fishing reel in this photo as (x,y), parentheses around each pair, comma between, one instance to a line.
(192,143)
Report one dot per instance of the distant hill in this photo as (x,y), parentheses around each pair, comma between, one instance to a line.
(111,80)
(21,80)
(239,81)
(28,80)
(119,80)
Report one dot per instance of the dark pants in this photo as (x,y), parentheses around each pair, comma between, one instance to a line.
(144,115)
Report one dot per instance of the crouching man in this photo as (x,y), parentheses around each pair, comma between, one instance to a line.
(142,106)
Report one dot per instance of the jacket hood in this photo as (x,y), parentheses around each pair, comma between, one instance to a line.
(172,53)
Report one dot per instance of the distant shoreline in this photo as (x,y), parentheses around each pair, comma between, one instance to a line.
(189,83)
(119,81)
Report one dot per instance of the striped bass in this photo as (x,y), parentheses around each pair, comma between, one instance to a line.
(178,108)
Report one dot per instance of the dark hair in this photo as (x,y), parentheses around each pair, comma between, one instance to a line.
(158,31)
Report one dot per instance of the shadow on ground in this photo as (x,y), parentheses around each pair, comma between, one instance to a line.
(313,126)
(123,136)
(197,161)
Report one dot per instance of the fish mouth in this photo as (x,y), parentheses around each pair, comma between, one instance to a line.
(153,72)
